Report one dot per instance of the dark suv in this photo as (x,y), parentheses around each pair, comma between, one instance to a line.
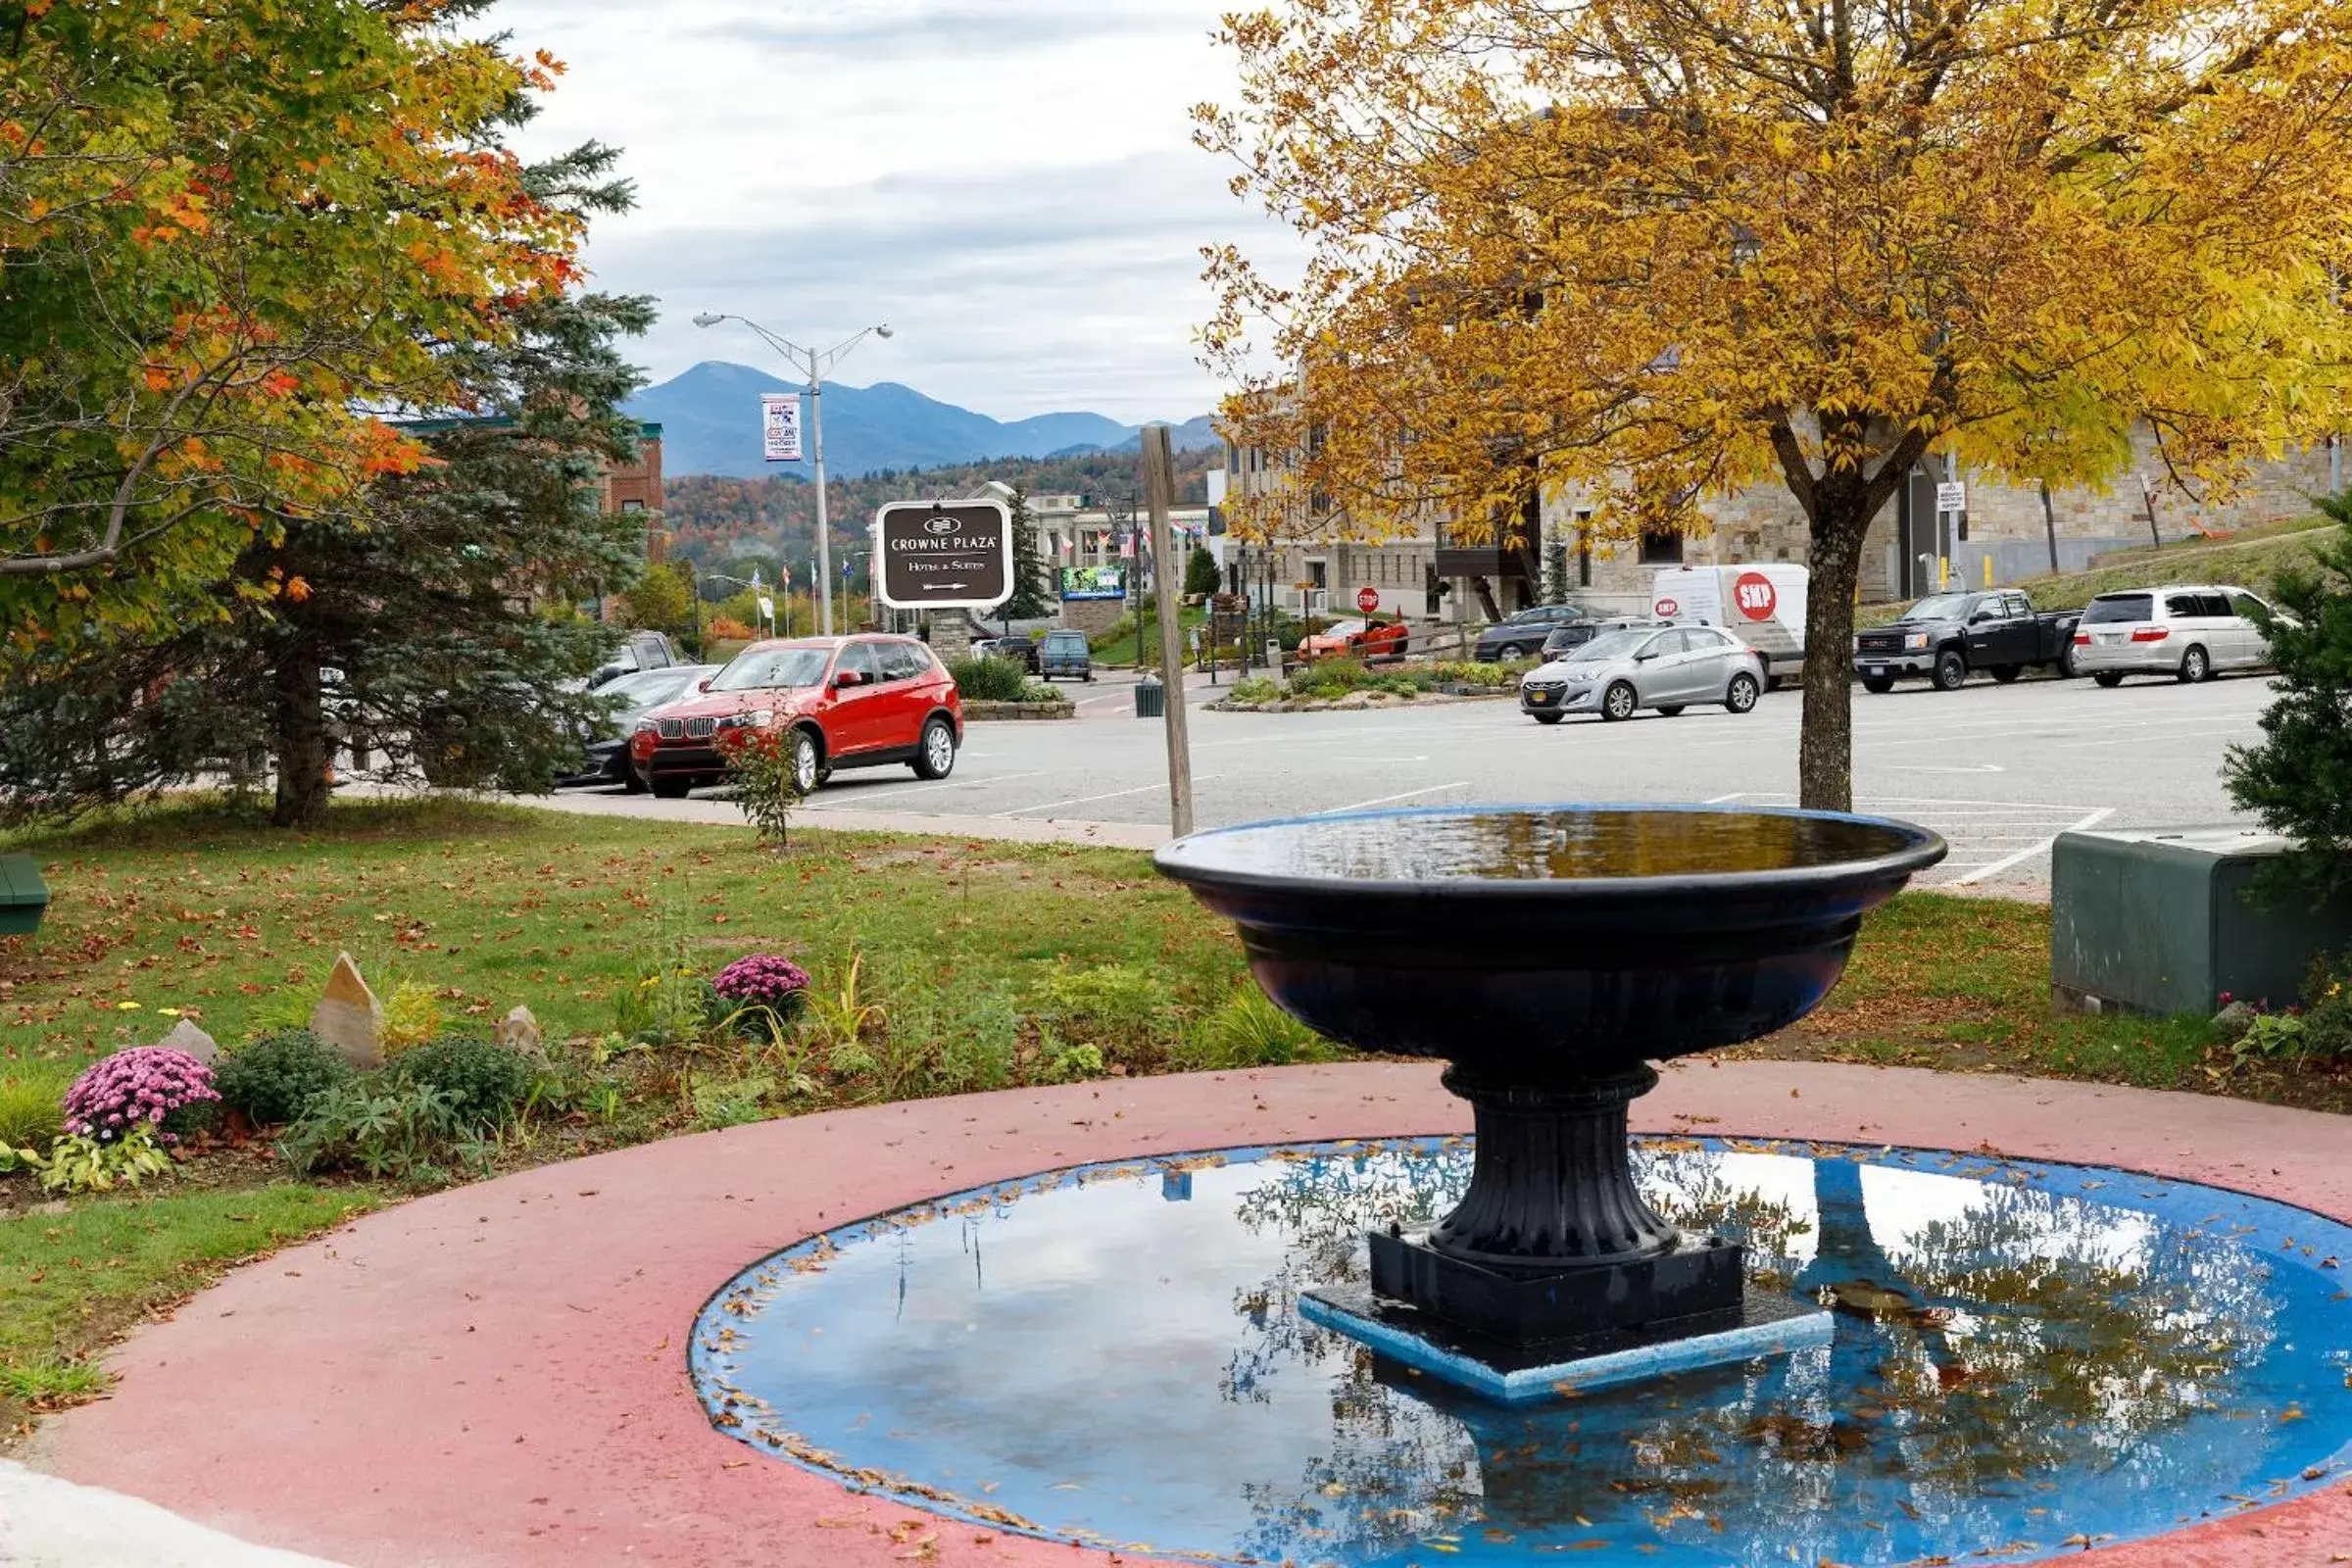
(1521,634)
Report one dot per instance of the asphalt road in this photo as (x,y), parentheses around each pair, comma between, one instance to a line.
(1998,770)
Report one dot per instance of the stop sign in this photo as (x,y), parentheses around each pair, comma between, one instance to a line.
(1367,599)
(1755,596)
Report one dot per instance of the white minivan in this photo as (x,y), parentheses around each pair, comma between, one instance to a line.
(2188,632)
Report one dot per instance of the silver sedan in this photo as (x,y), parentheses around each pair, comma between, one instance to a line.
(1623,672)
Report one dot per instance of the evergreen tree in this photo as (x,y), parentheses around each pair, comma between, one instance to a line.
(1201,574)
(1032,595)
(407,622)
(2298,779)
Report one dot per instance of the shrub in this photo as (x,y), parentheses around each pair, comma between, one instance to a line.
(1256,690)
(1250,1031)
(79,1163)
(720,1103)
(146,1085)
(1330,677)
(1126,1013)
(727,629)
(411,1016)
(667,1004)
(32,1110)
(2327,1008)
(486,1083)
(2293,779)
(385,1127)
(274,1079)
(990,679)
(758,764)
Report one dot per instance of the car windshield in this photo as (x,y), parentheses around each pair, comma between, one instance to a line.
(2120,606)
(1345,629)
(768,670)
(1613,645)
(644,689)
(1939,606)
(1066,641)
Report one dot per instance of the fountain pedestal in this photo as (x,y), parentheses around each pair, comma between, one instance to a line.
(1550,954)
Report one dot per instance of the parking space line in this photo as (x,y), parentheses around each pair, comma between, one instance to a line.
(857,797)
(2026,854)
(1383,800)
(1108,794)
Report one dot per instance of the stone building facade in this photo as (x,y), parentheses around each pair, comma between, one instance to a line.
(1911,548)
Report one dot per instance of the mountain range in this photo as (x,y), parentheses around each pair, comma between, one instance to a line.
(710,418)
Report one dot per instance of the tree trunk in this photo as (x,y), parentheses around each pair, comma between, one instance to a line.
(298,735)
(1825,755)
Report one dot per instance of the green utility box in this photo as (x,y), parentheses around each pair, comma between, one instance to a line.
(2156,920)
(24,895)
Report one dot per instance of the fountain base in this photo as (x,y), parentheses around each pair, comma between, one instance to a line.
(1759,1323)
(1691,1277)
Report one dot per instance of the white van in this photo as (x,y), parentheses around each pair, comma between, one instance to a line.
(1762,605)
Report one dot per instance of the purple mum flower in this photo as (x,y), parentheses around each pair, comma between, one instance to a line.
(144,1084)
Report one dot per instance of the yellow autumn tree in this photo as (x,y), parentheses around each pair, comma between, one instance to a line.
(1657,250)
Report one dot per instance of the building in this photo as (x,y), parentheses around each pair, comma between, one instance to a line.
(2005,535)
(637,488)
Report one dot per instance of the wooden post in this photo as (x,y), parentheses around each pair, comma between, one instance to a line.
(1159,490)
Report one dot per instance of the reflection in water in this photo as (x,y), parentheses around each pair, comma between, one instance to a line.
(1537,844)
(2022,1359)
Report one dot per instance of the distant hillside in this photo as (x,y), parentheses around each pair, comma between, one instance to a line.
(709,419)
(773,517)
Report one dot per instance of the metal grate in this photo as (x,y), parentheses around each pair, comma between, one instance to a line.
(701,730)
(669,729)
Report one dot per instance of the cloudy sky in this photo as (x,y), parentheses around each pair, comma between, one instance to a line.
(1009,184)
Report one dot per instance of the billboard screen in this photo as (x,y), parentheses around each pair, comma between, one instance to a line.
(1094,582)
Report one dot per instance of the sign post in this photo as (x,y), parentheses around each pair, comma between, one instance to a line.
(1159,491)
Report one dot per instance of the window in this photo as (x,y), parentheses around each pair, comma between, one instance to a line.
(1667,643)
(859,656)
(632,506)
(2018,605)
(2184,605)
(1318,574)
(1584,547)
(2246,604)
(903,660)
(1661,548)
(2215,605)
(2113,608)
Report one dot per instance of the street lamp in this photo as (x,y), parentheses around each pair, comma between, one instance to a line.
(813,364)
(754,587)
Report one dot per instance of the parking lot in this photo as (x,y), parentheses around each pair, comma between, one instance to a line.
(1999,770)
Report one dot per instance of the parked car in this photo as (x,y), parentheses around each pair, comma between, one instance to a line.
(1521,634)
(1570,635)
(1021,651)
(1947,636)
(639,650)
(1066,653)
(1668,669)
(632,696)
(2190,633)
(1357,639)
(865,700)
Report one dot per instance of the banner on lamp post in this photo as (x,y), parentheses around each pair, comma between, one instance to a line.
(780,427)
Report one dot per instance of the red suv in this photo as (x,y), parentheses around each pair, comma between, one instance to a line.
(845,702)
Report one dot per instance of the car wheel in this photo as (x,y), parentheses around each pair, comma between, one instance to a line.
(935,757)
(631,784)
(2068,669)
(2109,677)
(1882,684)
(1672,710)
(1951,670)
(2005,674)
(1509,651)
(1741,698)
(672,789)
(1547,719)
(2196,665)
(1619,703)
(807,764)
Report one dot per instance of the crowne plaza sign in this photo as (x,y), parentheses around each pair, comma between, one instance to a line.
(943,555)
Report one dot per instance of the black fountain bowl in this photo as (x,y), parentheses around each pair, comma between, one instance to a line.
(1550,944)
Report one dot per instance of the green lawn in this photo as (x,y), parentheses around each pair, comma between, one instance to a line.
(2250,558)
(976,964)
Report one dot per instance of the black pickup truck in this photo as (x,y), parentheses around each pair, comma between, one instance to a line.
(1945,636)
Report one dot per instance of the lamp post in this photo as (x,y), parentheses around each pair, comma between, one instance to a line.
(740,582)
(813,363)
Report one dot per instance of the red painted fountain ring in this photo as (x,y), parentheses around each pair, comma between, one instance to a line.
(495,1375)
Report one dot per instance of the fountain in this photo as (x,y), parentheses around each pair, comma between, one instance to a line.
(1549,955)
